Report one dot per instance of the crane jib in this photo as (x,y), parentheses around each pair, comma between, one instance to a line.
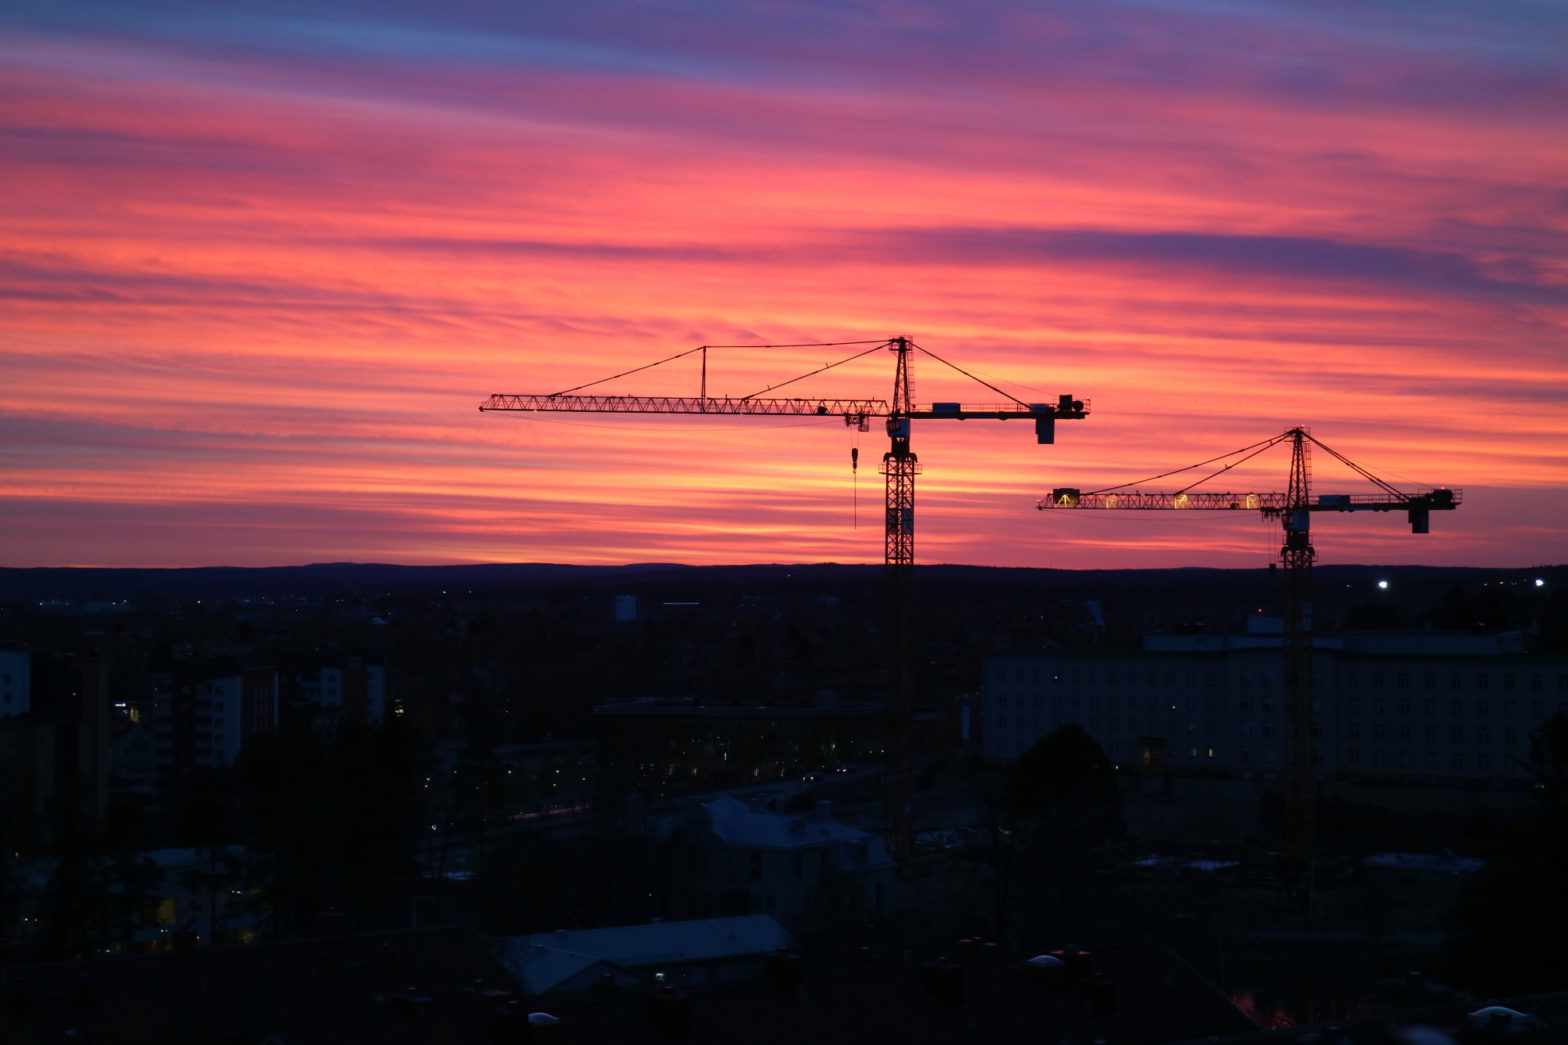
(1067,408)
(1441,499)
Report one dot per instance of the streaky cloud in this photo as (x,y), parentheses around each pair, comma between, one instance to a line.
(1236,255)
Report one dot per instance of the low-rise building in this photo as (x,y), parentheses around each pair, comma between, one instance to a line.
(578,962)
(810,871)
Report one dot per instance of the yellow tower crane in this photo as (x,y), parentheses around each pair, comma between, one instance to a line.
(899,467)
(1294,510)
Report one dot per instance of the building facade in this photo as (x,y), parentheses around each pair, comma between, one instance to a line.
(1417,709)
(201,717)
(351,685)
(16,689)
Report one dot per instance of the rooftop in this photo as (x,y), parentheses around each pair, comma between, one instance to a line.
(543,960)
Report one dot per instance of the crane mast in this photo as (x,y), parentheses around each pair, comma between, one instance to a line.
(1296,556)
(900,466)
(1294,509)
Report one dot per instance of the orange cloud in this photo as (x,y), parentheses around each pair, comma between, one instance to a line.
(256,285)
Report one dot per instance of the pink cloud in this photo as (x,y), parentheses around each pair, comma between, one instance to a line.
(251,303)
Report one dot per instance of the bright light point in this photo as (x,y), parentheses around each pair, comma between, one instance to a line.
(1383,585)
(1539,583)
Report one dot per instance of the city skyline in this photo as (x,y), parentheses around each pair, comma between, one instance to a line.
(262,265)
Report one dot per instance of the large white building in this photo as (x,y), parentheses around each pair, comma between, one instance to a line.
(1410,708)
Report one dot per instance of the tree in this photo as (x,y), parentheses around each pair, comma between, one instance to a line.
(1063,803)
(1512,915)
(1063,791)
(332,819)
(1548,766)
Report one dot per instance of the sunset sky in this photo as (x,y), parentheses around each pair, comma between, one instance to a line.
(261,261)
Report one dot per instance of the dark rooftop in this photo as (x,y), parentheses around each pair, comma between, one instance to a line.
(415,986)
(1144,995)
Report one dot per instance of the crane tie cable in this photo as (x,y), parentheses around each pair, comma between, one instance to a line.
(817,371)
(646,366)
(970,376)
(820,344)
(804,344)
(1259,447)
(1229,466)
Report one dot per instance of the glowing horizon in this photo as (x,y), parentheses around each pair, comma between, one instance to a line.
(260,267)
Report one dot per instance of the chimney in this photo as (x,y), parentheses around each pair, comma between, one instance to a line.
(785,969)
(1099,994)
(669,1014)
(84,994)
(944,983)
(329,968)
(1079,963)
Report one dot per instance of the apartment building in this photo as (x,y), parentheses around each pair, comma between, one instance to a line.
(1402,708)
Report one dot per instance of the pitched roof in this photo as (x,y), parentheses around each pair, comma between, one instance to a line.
(539,969)
(1156,998)
(411,986)
(738,824)
(640,946)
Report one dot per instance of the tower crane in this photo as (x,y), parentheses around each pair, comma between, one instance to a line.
(1294,509)
(899,467)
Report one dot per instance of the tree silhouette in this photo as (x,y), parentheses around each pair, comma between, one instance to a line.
(1548,766)
(331,817)
(1512,915)
(1063,791)
(1063,803)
